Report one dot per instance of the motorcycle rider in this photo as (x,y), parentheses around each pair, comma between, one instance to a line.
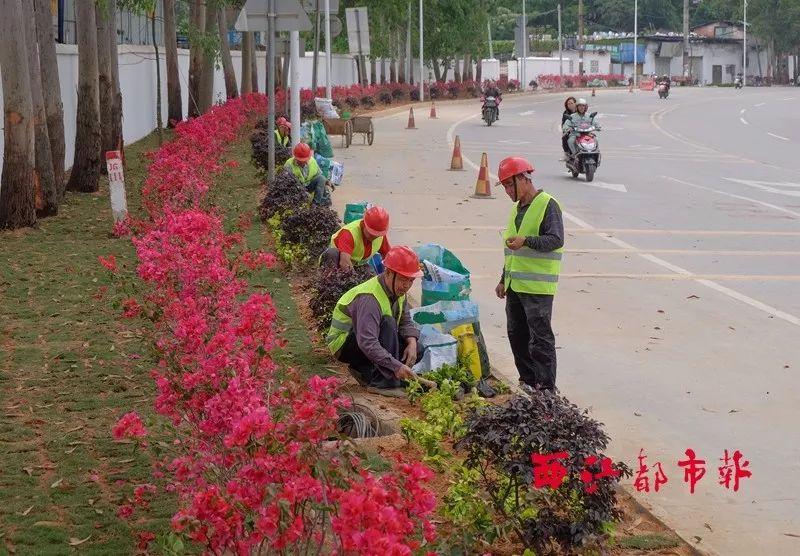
(491,90)
(569,110)
(664,81)
(570,126)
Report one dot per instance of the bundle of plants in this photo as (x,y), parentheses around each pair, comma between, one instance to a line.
(310,226)
(260,144)
(539,460)
(329,284)
(283,193)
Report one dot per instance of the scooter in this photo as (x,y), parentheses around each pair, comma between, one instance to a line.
(737,83)
(587,158)
(489,111)
(663,91)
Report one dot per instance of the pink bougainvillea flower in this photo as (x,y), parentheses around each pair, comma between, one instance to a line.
(130,308)
(129,426)
(109,262)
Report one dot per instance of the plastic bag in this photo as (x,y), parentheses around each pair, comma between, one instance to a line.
(337,173)
(321,144)
(461,320)
(325,108)
(445,277)
(324,165)
(354,211)
(440,349)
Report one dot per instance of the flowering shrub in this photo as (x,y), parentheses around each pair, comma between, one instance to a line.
(252,469)
(260,143)
(329,284)
(550,81)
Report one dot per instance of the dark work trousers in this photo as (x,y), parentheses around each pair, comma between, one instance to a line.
(531,337)
(369,373)
(564,144)
(322,196)
(330,258)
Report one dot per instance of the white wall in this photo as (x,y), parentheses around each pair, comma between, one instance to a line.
(712,54)
(603,61)
(137,79)
(490,69)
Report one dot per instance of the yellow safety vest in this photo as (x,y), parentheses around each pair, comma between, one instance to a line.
(528,270)
(358,238)
(341,324)
(282,140)
(297,170)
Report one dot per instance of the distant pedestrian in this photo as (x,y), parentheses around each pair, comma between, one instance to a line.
(533,246)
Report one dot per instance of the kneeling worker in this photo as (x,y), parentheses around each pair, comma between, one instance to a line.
(371,328)
(307,171)
(356,242)
(533,245)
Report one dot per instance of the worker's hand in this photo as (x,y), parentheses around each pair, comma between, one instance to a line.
(410,353)
(515,242)
(345,261)
(405,373)
(500,290)
(330,185)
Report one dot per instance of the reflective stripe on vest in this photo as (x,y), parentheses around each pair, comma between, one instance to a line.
(358,241)
(342,324)
(282,140)
(528,270)
(297,170)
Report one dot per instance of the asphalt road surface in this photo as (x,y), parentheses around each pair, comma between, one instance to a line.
(678,314)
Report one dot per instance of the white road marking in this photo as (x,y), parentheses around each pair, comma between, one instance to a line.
(645,147)
(771,186)
(778,136)
(743,121)
(789,98)
(792,319)
(610,186)
(527,113)
(734,196)
(742,111)
(603,115)
(761,104)
(514,142)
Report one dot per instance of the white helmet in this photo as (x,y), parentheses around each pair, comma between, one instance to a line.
(581,101)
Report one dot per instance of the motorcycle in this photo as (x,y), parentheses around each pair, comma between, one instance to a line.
(587,158)
(489,110)
(663,91)
(737,83)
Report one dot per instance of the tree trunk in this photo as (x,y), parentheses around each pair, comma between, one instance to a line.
(456,70)
(51,90)
(478,72)
(437,72)
(401,61)
(373,70)
(159,120)
(16,185)
(247,64)
(231,90)
(467,73)
(85,173)
(382,71)
(45,194)
(116,117)
(254,62)
(103,20)
(207,72)
(174,101)
(196,55)
(393,71)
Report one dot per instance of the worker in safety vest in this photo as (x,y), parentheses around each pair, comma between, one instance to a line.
(355,243)
(306,169)
(371,327)
(283,132)
(533,245)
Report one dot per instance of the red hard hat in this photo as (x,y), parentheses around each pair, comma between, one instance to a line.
(376,221)
(512,166)
(403,261)
(302,152)
(283,122)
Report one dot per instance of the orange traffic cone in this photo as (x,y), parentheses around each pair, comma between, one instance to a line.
(456,163)
(411,119)
(592,91)
(433,111)
(482,188)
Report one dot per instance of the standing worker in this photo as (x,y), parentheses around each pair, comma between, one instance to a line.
(371,327)
(355,243)
(283,132)
(533,245)
(307,171)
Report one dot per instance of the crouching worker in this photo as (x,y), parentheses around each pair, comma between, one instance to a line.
(371,328)
(307,171)
(355,243)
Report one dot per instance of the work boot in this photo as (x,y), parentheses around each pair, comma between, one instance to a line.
(485,389)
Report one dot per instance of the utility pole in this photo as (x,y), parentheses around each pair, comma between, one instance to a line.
(686,65)
(270,77)
(522,73)
(421,57)
(635,42)
(489,28)
(328,53)
(580,37)
(294,88)
(409,61)
(560,48)
(314,71)
(744,48)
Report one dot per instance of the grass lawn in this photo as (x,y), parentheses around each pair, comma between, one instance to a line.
(69,367)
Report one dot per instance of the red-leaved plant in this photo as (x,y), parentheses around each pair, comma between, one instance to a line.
(254,467)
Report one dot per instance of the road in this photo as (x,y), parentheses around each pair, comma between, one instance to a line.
(678,314)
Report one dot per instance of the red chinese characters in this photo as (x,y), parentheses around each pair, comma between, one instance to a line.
(590,478)
(733,469)
(693,469)
(548,471)
(642,482)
